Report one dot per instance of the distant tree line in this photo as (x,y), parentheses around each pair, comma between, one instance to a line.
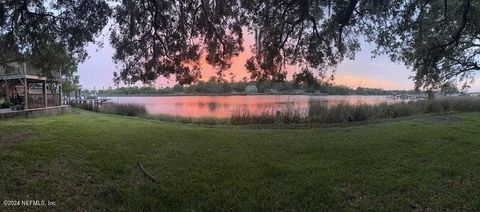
(213,86)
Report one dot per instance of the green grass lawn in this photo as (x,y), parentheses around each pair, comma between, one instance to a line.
(89,161)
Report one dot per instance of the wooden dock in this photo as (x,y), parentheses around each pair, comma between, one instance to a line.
(89,101)
(407,96)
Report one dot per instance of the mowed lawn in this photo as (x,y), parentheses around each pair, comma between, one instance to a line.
(88,161)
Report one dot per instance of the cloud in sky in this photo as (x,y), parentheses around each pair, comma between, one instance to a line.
(371,82)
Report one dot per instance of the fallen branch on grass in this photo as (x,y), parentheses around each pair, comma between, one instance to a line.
(146,173)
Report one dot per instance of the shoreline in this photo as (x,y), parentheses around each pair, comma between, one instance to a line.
(237,94)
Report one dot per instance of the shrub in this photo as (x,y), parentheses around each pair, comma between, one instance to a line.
(317,111)
(362,112)
(446,104)
(246,117)
(85,106)
(5,104)
(186,120)
(124,109)
(289,115)
(113,108)
(465,104)
(401,110)
(434,106)
(339,113)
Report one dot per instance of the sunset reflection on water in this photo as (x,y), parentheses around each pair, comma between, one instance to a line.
(225,106)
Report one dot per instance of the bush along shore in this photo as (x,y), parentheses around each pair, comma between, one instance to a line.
(317,112)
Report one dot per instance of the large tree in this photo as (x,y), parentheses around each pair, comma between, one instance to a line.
(437,39)
(156,38)
(314,35)
(164,38)
(50,34)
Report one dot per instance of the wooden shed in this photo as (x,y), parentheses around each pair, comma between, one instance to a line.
(25,86)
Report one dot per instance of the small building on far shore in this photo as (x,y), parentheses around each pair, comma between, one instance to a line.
(251,89)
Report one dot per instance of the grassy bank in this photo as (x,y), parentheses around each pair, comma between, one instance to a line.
(89,161)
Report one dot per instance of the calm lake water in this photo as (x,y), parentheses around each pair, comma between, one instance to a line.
(225,106)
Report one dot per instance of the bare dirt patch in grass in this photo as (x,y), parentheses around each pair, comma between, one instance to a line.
(444,119)
(16,137)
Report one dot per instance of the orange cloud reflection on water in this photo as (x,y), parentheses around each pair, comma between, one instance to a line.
(226,106)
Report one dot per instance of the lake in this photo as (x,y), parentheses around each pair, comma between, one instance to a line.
(225,106)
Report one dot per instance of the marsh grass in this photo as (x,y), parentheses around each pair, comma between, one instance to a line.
(317,112)
(124,109)
(187,120)
(288,114)
(343,112)
(113,108)
(246,117)
(85,106)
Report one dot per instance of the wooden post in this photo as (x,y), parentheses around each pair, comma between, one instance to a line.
(25,86)
(7,97)
(61,94)
(45,96)
(25,90)
(59,86)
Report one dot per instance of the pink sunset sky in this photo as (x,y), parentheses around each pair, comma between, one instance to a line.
(380,72)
